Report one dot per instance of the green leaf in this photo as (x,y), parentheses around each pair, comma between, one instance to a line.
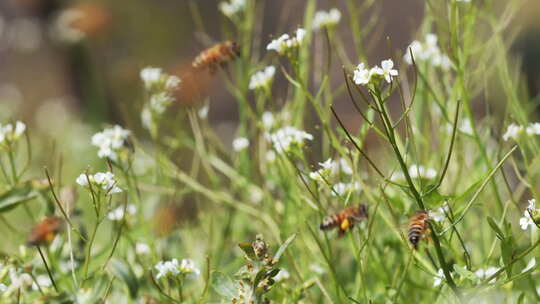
(521,298)
(507,250)
(99,286)
(434,199)
(124,272)
(464,273)
(284,246)
(15,196)
(224,285)
(247,248)
(495,227)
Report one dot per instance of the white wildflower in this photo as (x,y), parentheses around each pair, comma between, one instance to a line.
(19,280)
(268,120)
(240,144)
(159,102)
(513,131)
(150,76)
(438,279)
(263,78)
(527,220)
(533,129)
(188,267)
(110,141)
(328,167)
(146,118)
(344,166)
(165,268)
(326,19)
(388,71)
(10,133)
(416,171)
(232,8)
(486,273)
(101,180)
(286,42)
(286,138)
(63,27)
(118,213)
(142,248)
(3,287)
(440,214)
(283,274)
(43,281)
(427,51)
(362,75)
(343,189)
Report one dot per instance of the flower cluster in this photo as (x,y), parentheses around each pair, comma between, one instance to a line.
(329,168)
(363,75)
(417,171)
(326,19)
(110,141)
(232,8)
(514,131)
(10,133)
(118,213)
(284,139)
(171,267)
(160,87)
(263,78)
(285,42)
(427,51)
(531,216)
(101,180)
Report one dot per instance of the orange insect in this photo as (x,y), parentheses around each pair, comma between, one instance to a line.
(345,219)
(418,227)
(44,232)
(216,56)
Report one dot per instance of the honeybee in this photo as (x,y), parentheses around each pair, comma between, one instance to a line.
(45,231)
(216,56)
(418,227)
(345,219)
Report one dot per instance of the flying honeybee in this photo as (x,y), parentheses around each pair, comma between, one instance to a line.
(45,231)
(216,56)
(345,219)
(418,227)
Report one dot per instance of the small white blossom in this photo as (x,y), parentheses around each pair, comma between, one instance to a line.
(326,19)
(118,213)
(146,118)
(343,189)
(388,71)
(427,51)
(328,167)
(150,76)
(286,42)
(232,8)
(3,287)
(362,75)
(43,281)
(513,131)
(110,141)
(344,166)
(142,248)
(438,279)
(166,268)
(486,273)
(288,137)
(63,29)
(439,214)
(160,102)
(527,220)
(188,267)
(102,180)
(283,274)
(263,78)
(19,280)
(240,144)
(10,133)
(417,171)
(268,120)
(533,129)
